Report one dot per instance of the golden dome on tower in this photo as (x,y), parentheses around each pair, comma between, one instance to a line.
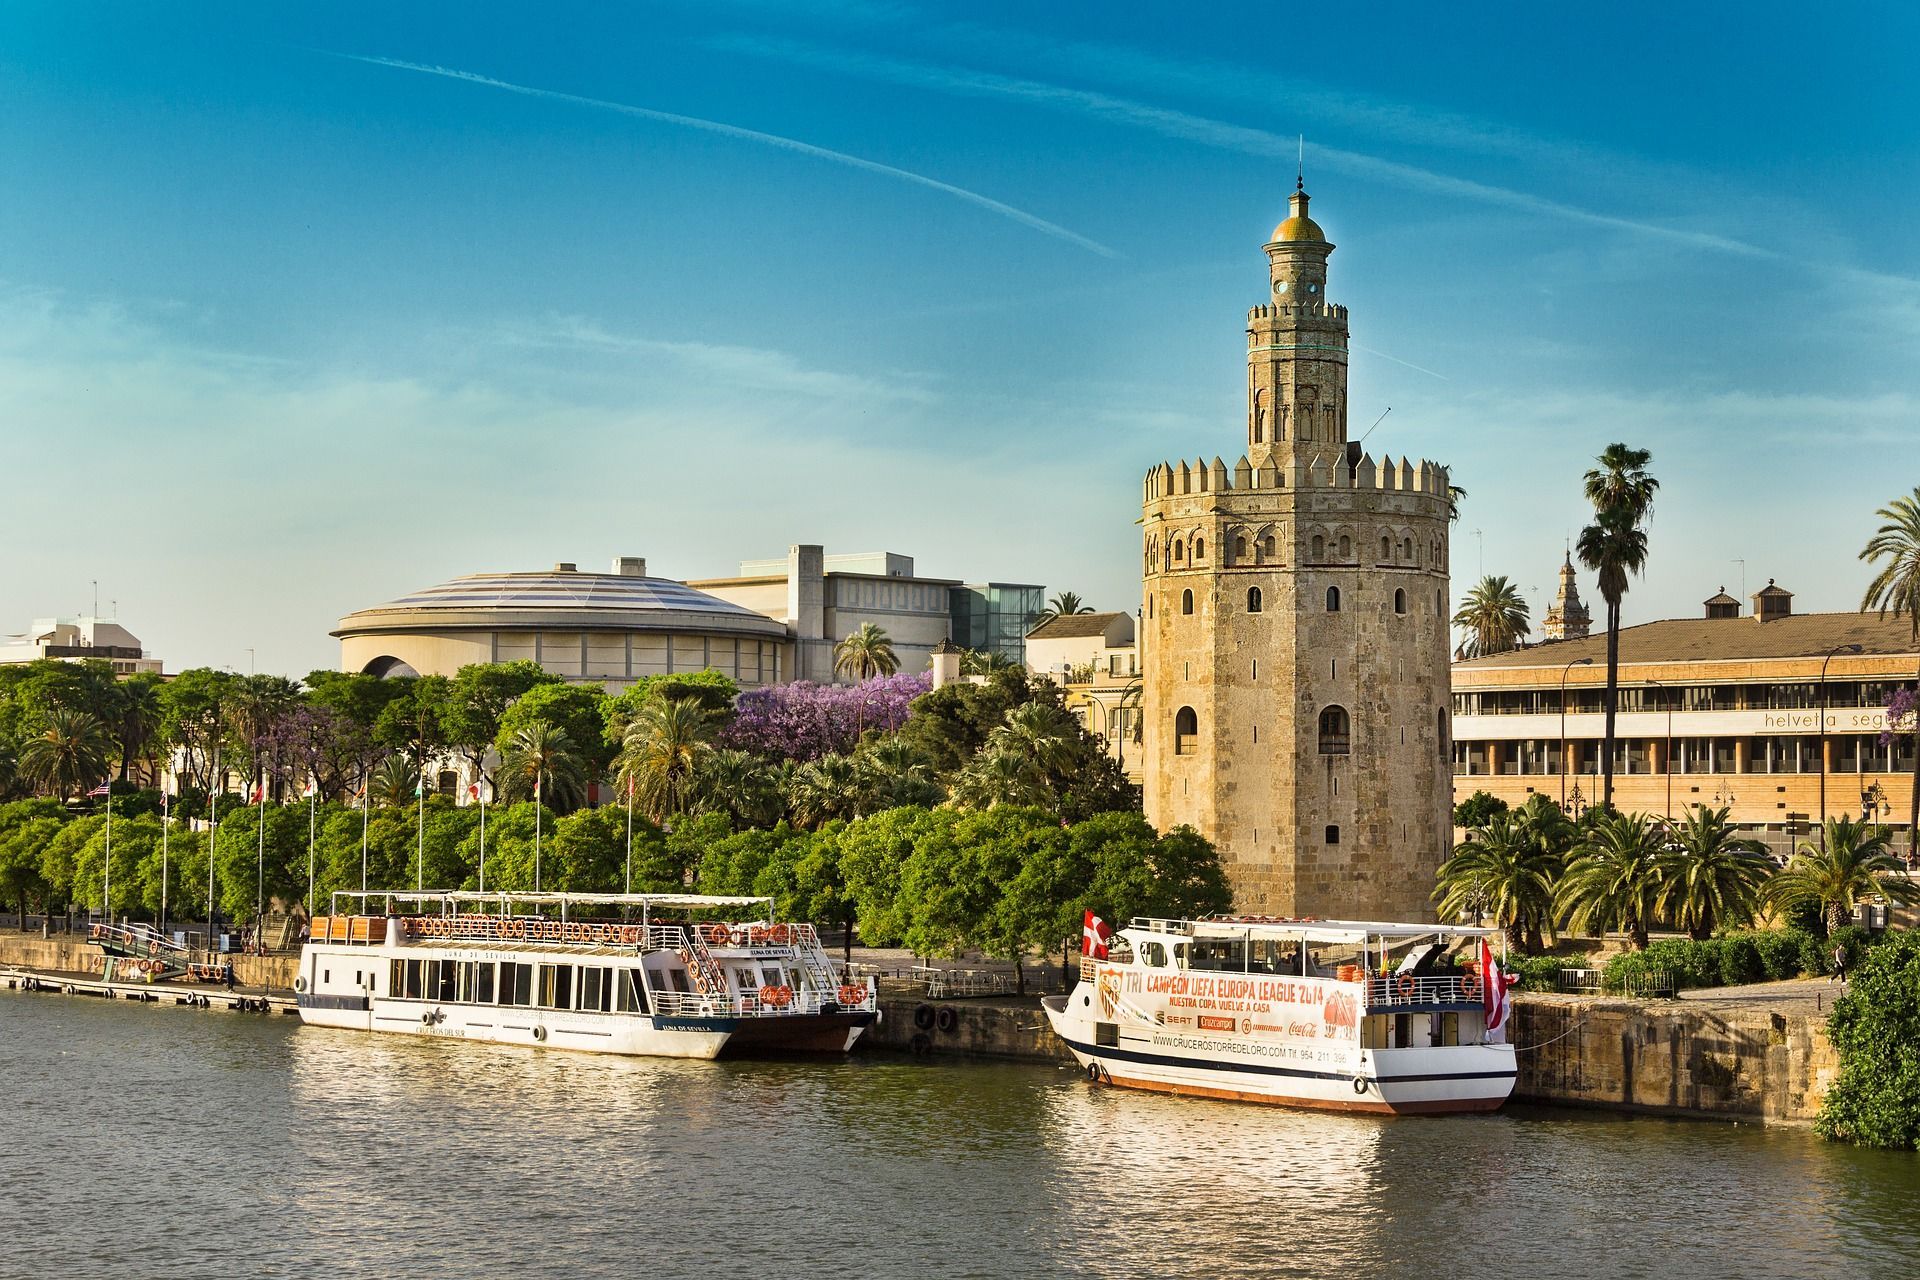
(1298,225)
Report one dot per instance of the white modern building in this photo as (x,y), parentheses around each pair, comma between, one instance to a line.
(77,640)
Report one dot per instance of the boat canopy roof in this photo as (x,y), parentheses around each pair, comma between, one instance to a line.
(466,897)
(1327,931)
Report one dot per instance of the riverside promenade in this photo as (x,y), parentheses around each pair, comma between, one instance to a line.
(1756,1054)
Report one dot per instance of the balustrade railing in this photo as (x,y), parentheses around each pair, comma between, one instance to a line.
(1405,990)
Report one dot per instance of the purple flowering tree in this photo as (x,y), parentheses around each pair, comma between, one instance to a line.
(1903,717)
(804,721)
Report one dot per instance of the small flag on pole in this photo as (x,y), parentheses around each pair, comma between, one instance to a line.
(1094,933)
(259,793)
(312,788)
(166,802)
(1493,994)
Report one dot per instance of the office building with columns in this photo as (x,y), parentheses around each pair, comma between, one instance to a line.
(1777,715)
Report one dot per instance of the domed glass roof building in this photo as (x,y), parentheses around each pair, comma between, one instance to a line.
(610,628)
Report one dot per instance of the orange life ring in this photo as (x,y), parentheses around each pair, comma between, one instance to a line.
(718,934)
(852,995)
(779,935)
(776,997)
(1404,984)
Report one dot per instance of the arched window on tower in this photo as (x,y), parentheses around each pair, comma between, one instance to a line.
(1406,548)
(1400,600)
(1186,601)
(1336,732)
(1259,416)
(1199,548)
(1319,547)
(1333,599)
(1346,547)
(1386,547)
(1186,728)
(1253,599)
(1266,546)
(1177,550)
(1239,548)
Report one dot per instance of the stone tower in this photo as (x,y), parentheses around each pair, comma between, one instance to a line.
(1567,618)
(1295,681)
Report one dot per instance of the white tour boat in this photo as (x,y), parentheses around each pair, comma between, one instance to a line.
(667,975)
(1338,1015)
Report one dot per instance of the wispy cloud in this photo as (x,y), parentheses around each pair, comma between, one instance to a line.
(1190,127)
(774,140)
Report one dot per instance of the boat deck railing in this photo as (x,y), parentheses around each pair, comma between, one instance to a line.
(1406,991)
(847,998)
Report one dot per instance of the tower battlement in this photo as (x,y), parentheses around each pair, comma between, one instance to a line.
(1405,476)
(1295,311)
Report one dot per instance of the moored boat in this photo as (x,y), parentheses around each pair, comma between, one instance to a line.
(667,975)
(1329,1014)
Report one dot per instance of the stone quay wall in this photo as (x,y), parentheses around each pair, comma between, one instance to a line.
(71,953)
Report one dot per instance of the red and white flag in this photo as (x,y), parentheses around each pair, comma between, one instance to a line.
(166,802)
(259,793)
(1094,933)
(312,788)
(473,792)
(1493,994)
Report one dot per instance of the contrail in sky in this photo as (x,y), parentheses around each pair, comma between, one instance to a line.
(794,145)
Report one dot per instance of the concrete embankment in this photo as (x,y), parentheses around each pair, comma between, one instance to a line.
(72,954)
(984,1027)
(1733,1059)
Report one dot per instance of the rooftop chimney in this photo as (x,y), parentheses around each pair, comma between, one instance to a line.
(1772,602)
(566,566)
(630,566)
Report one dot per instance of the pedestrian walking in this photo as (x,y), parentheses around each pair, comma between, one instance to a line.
(1840,965)
(227,973)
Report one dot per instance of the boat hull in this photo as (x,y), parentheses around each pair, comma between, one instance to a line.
(1433,1081)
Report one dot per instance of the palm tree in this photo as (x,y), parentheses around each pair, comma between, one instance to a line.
(1454,494)
(1615,879)
(1551,834)
(865,654)
(1854,865)
(984,662)
(542,763)
(1063,605)
(738,784)
(1000,777)
(137,719)
(1040,733)
(1712,877)
(1500,871)
(891,773)
(824,789)
(67,755)
(1494,616)
(395,781)
(665,747)
(1621,490)
(1895,589)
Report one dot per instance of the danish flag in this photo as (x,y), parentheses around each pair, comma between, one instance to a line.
(1493,993)
(1094,933)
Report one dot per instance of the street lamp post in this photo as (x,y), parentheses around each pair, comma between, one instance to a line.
(1837,649)
(1666,761)
(1577,662)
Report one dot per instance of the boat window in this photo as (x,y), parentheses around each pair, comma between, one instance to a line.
(326,976)
(631,993)
(677,979)
(771,977)
(483,989)
(1180,955)
(746,978)
(516,983)
(396,979)
(1220,954)
(415,986)
(469,971)
(446,982)
(590,985)
(1154,954)
(556,986)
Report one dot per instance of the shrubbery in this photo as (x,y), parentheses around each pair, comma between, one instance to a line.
(1735,959)
(1542,973)
(1876,1029)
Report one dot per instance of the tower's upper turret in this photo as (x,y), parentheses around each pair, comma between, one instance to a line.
(1298,253)
(1298,225)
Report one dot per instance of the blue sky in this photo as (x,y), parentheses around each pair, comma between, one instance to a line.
(304,307)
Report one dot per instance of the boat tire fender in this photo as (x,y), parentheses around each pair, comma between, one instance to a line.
(299,984)
(923,1017)
(539,1033)
(1359,1084)
(920,1044)
(948,1020)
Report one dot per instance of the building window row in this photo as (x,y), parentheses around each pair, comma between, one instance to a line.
(1788,696)
(1848,753)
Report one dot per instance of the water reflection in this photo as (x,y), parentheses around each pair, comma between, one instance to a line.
(217,1145)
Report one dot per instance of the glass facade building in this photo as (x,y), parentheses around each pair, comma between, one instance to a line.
(995,617)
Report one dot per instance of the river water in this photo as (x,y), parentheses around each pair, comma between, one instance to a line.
(159,1142)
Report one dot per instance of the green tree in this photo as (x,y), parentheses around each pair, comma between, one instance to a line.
(666,746)
(578,709)
(194,707)
(1875,1028)
(1616,878)
(27,827)
(590,851)
(1000,778)
(873,857)
(136,723)
(865,654)
(476,705)
(890,772)
(950,724)
(1621,490)
(1713,877)
(1895,551)
(824,790)
(1477,809)
(1848,865)
(133,842)
(67,754)
(1493,616)
(60,856)
(714,691)
(244,865)
(1500,872)
(412,720)
(739,784)
(541,760)
(395,782)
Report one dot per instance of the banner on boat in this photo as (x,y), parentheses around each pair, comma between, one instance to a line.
(1308,1021)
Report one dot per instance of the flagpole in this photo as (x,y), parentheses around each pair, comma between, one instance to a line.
(313,805)
(420,859)
(629,833)
(536,833)
(106,892)
(166,822)
(260,874)
(213,827)
(366,786)
(482,798)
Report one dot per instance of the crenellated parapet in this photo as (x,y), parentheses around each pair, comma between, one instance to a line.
(1291,313)
(1386,476)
